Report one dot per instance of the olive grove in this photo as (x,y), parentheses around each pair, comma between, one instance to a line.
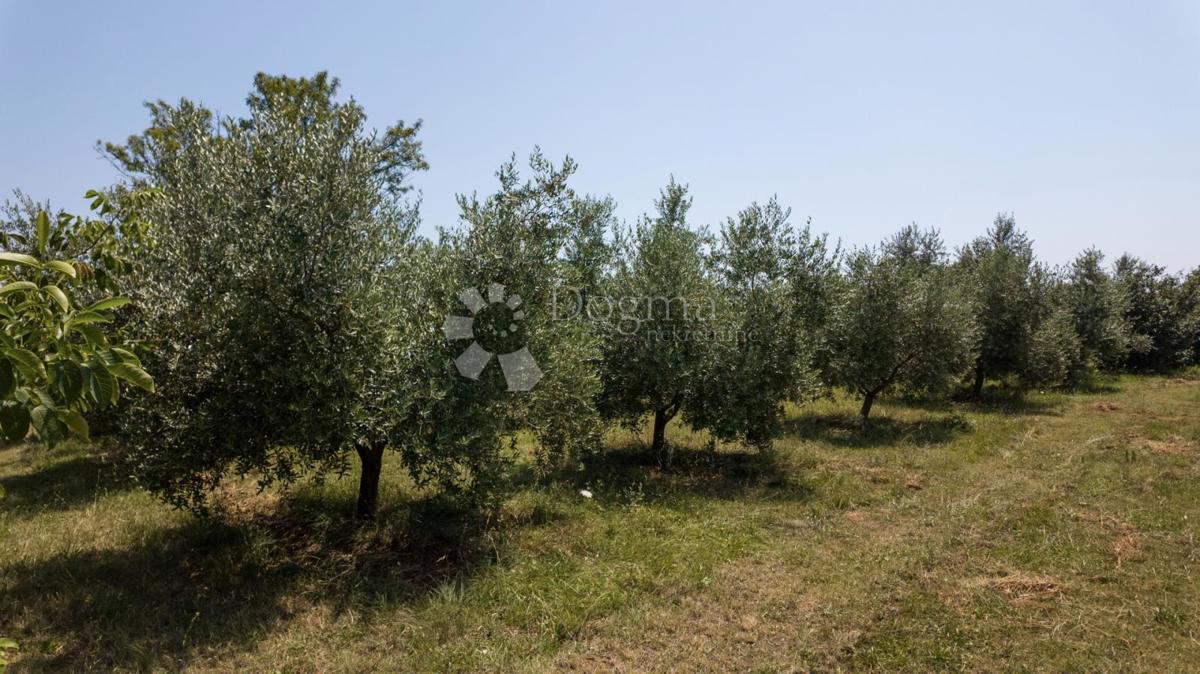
(255,298)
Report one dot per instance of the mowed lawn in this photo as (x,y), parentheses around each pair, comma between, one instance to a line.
(1051,532)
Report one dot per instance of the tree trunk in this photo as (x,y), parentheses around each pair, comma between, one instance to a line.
(660,437)
(977,391)
(868,400)
(371,456)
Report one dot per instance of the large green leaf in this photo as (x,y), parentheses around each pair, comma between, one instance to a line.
(126,356)
(17,285)
(43,230)
(19,258)
(27,361)
(110,303)
(68,380)
(48,426)
(89,317)
(74,421)
(93,334)
(99,383)
(63,267)
(58,296)
(132,374)
(44,396)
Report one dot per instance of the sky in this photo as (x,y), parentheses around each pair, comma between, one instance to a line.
(1081,118)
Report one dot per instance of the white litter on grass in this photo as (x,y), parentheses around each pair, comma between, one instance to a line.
(585,493)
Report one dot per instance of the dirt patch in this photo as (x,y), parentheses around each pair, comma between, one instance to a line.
(1105,406)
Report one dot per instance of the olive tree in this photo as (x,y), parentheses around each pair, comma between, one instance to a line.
(282,281)
(997,271)
(1097,304)
(505,364)
(900,320)
(773,283)
(1160,315)
(1189,306)
(1053,352)
(657,319)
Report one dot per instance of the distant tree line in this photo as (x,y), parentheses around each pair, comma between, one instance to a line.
(266,272)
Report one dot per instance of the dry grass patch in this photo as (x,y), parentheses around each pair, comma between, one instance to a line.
(1023,588)
(1172,445)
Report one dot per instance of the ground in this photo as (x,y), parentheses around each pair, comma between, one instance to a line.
(1045,532)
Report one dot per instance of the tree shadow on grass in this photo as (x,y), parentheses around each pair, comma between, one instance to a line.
(630,471)
(999,401)
(847,430)
(218,585)
(62,484)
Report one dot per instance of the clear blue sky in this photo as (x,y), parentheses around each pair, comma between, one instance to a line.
(1081,117)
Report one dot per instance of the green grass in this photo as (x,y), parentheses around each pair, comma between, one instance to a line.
(1049,532)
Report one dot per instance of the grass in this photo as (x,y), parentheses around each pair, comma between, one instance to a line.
(1046,532)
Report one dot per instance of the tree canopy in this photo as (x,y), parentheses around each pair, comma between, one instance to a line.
(900,320)
(278,280)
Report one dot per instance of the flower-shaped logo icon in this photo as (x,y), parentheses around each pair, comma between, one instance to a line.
(494,329)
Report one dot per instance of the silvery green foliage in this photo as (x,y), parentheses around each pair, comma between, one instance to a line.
(657,341)
(534,237)
(1097,305)
(1053,356)
(281,293)
(1053,352)
(997,269)
(773,288)
(1160,313)
(1189,307)
(589,253)
(900,320)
